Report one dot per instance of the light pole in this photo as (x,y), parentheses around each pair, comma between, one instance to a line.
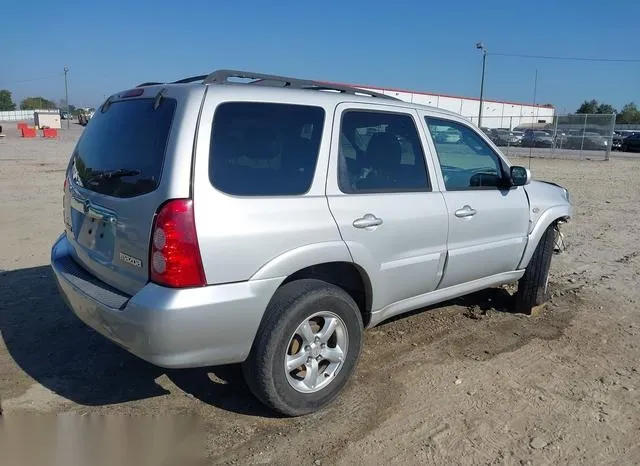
(66,94)
(481,46)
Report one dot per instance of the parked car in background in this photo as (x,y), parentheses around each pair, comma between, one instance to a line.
(500,137)
(631,143)
(619,136)
(504,137)
(517,135)
(536,138)
(559,138)
(589,140)
(448,136)
(594,141)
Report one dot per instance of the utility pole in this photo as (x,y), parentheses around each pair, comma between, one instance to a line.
(66,94)
(481,46)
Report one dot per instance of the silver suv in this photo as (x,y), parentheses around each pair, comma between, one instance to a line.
(247,218)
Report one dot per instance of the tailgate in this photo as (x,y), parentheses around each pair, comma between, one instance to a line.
(113,187)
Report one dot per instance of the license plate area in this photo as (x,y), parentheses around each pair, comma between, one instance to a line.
(94,229)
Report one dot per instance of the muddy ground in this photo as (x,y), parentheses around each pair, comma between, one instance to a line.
(462,382)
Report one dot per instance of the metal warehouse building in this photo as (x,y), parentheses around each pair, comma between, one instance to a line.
(495,114)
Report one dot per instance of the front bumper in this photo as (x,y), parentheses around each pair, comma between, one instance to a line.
(173,328)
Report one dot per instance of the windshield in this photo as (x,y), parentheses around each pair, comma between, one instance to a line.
(121,151)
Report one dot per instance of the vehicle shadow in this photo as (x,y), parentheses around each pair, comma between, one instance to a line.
(51,345)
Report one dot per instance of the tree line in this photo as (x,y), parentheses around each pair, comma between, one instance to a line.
(630,114)
(31,103)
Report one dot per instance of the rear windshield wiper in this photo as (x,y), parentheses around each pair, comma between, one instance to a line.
(108,174)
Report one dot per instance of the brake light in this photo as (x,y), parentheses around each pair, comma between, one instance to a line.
(66,183)
(132,93)
(175,255)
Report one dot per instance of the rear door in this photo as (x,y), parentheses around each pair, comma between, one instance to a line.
(488,224)
(120,173)
(392,219)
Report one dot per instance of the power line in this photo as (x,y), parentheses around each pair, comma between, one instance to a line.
(547,57)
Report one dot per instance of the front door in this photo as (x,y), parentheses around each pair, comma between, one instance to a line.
(488,223)
(393,223)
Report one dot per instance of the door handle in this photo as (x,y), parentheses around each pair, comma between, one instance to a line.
(367,221)
(466,211)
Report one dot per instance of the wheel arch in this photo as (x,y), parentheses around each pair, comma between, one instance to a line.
(550,217)
(346,275)
(329,261)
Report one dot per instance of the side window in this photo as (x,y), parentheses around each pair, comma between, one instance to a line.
(264,149)
(466,160)
(380,152)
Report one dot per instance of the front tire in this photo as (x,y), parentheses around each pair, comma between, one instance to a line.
(306,348)
(534,284)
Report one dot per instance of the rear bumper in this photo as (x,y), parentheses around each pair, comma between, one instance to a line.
(167,327)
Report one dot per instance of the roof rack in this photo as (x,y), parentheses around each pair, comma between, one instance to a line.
(223,77)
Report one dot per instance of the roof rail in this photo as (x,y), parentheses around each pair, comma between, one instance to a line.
(261,79)
(191,79)
(222,77)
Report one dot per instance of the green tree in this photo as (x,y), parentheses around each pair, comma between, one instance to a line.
(6,102)
(594,107)
(629,114)
(606,109)
(588,106)
(37,103)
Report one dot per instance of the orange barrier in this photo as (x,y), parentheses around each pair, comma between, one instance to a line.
(49,133)
(22,125)
(28,132)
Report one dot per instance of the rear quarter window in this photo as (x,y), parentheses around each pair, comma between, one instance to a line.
(264,149)
(121,151)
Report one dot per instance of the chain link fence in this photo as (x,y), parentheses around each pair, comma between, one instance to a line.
(574,136)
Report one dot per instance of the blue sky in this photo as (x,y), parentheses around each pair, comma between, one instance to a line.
(418,45)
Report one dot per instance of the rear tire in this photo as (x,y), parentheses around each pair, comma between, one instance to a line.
(280,340)
(533,286)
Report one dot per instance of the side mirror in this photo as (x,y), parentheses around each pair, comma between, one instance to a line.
(520,176)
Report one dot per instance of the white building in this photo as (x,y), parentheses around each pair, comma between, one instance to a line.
(495,114)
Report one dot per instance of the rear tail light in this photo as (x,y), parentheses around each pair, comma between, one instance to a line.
(66,183)
(175,259)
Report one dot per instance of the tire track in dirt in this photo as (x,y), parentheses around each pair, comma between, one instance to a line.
(430,438)
(355,413)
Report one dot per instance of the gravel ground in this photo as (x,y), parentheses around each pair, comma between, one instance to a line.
(462,382)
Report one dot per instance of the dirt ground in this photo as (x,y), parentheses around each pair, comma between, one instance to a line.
(463,382)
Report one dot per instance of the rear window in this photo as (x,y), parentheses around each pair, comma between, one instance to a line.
(121,151)
(264,149)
